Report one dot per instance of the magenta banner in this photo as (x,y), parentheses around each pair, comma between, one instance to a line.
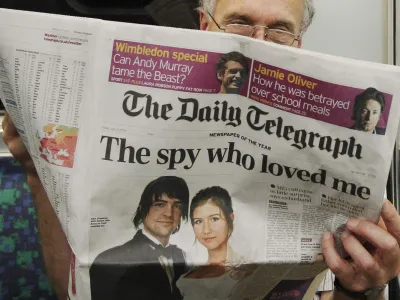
(163,67)
(359,109)
(232,73)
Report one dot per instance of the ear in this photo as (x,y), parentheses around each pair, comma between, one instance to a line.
(220,76)
(233,216)
(204,20)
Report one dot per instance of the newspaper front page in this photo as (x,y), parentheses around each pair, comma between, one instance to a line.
(192,165)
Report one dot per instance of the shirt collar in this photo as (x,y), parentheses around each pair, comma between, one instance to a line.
(152,238)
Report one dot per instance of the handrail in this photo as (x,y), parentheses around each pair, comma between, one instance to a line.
(393,191)
(394,196)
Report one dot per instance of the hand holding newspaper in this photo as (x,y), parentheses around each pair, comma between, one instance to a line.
(194,165)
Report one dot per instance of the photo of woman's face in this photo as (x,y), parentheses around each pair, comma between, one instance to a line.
(369,115)
(210,226)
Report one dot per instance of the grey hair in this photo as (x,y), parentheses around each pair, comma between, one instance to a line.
(309,12)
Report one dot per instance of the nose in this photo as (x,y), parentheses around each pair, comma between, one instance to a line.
(367,116)
(259,33)
(206,228)
(168,210)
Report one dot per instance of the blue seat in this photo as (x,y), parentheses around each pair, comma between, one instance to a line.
(22,273)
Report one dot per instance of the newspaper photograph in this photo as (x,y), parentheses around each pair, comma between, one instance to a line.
(192,165)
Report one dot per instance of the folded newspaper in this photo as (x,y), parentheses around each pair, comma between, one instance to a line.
(195,165)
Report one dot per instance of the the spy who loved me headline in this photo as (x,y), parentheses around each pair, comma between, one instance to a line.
(136,104)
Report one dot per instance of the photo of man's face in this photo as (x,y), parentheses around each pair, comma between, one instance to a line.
(233,78)
(369,108)
(368,116)
(163,217)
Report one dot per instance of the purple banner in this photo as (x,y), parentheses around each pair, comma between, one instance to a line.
(232,73)
(360,109)
(176,69)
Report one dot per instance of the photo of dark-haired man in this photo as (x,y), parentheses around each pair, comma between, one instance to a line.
(367,111)
(146,267)
(232,69)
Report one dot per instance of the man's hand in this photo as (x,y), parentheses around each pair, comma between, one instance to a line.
(21,154)
(16,146)
(56,250)
(368,268)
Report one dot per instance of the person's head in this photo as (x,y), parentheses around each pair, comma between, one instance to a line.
(232,69)
(211,215)
(367,110)
(291,16)
(163,204)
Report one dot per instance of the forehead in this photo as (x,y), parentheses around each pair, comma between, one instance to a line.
(372,104)
(233,65)
(206,210)
(263,12)
(165,198)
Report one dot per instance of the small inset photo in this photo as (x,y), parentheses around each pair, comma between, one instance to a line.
(232,71)
(369,106)
(58,144)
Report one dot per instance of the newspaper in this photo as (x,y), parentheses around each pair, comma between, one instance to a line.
(194,165)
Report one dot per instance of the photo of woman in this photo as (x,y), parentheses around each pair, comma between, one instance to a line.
(212,218)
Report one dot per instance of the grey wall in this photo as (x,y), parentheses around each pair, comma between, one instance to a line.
(351,28)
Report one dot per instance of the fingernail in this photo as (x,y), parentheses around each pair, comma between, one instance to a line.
(353,223)
(326,236)
(345,234)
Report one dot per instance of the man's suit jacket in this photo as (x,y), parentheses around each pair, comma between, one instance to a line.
(378,130)
(132,271)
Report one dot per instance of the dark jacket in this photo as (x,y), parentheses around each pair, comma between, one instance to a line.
(132,271)
(378,130)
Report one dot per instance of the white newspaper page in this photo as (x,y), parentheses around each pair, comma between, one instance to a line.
(207,165)
(268,141)
(44,71)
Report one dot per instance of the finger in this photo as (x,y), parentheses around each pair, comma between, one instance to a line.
(18,150)
(392,219)
(375,235)
(13,140)
(361,257)
(340,267)
(3,122)
(381,224)
(9,130)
